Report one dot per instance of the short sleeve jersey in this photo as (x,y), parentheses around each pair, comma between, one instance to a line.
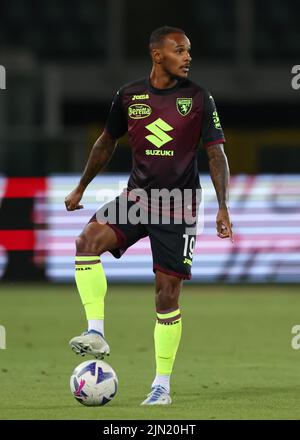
(164,129)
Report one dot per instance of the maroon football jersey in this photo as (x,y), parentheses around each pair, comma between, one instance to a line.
(164,129)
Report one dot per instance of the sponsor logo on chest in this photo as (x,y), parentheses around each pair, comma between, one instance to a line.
(159,137)
(136,97)
(139,111)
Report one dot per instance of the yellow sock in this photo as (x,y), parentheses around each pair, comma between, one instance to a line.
(92,286)
(167,336)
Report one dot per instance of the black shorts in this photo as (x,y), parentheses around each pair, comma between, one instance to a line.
(172,244)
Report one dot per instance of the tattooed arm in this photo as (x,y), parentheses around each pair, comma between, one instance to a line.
(98,158)
(219,172)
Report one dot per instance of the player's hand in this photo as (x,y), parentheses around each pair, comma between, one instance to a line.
(224,225)
(72,200)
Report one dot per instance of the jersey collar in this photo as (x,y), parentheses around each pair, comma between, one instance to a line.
(164,91)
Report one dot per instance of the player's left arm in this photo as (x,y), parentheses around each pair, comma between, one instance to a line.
(219,171)
(213,139)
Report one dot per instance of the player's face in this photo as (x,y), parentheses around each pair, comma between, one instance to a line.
(175,55)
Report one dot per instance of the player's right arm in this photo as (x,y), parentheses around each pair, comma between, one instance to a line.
(115,127)
(99,156)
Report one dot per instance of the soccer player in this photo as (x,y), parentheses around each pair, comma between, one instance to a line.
(165,116)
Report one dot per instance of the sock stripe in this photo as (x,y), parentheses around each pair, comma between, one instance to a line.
(86,257)
(169,323)
(166,311)
(87,262)
(169,320)
(168,315)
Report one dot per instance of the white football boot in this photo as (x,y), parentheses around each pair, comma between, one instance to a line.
(158,396)
(90,342)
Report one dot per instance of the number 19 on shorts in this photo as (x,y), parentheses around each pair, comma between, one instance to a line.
(189,246)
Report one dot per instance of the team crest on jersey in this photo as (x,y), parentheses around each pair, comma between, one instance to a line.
(184,105)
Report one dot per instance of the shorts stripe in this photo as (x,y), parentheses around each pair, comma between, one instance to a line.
(172,273)
(121,237)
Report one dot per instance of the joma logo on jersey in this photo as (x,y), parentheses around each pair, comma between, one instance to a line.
(184,105)
(139,111)
(140,97)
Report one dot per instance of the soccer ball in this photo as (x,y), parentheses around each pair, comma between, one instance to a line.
(94,383)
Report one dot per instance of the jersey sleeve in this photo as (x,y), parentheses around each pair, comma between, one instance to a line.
(116,123)
(212,132)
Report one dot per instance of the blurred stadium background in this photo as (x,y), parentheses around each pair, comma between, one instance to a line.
(64,62)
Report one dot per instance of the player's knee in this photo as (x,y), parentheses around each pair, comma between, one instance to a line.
(80,244)
(167,295)
(86,244)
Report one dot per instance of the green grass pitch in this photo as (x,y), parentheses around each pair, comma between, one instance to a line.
(235,360)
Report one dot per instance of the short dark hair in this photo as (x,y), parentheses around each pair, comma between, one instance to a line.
(158,35)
